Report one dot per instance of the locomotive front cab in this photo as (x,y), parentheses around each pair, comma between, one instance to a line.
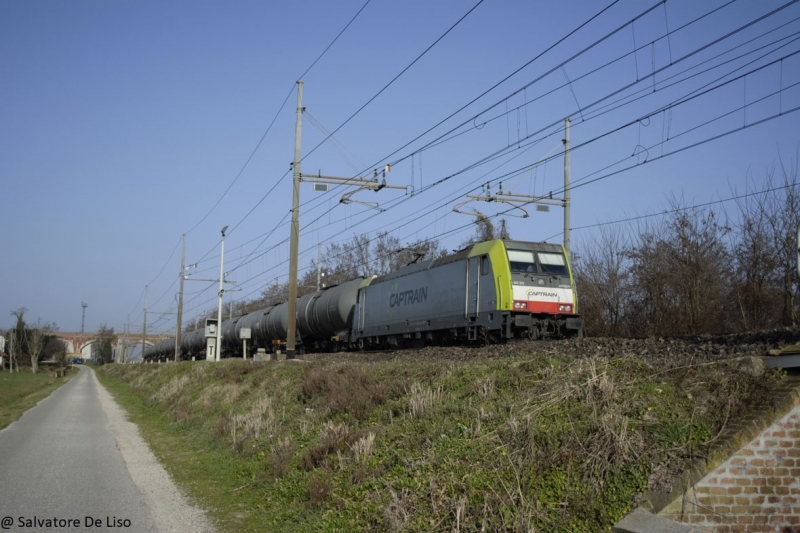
(543,292)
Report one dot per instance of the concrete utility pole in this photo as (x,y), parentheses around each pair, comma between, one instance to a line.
(542,202)
(83,315)
(291,333)
(219,298)
(125,340)
(319,265)
(144,324)
(362,184)
(180,302)
(566,188)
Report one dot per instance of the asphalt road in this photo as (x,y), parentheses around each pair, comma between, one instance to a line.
(71,464)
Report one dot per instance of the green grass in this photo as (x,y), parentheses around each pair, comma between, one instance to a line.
(19,391)
(514,443)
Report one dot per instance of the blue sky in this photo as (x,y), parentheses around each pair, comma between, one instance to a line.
(123,123)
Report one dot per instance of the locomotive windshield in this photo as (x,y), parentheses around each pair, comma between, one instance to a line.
(525,261)
(553,263)
(521,261)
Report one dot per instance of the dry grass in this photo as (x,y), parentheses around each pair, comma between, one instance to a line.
(220,394)
(320,488)
(345,389)
(279,458)
(261,417)
(172,389)
(362,448)
(484,387)
(399,510)
(421,398)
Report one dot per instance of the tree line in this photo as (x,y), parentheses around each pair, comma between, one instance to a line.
(27,345)
(697,270)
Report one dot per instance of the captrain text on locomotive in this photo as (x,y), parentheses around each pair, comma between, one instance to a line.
(491,291)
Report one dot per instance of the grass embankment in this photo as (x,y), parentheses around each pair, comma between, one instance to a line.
(526,441)
(19,391)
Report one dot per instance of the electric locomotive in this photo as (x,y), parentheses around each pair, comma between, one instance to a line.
(489,292)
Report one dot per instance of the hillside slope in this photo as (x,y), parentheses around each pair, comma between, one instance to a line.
(550,436)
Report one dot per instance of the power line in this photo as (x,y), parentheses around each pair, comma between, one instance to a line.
(493,87)
(261,140)
(486,92)
(258,145)
(661,110)
(395,78)
(684,99)
(687,208)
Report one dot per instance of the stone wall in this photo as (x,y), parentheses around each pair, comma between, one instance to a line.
(757,489)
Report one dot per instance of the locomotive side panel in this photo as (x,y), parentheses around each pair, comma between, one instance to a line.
(412,301)
(451,295)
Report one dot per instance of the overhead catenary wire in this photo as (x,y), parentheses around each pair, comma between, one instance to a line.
(528,63)
(735,110)
(261,140)
(469,225)
(493,87)
(615,92)
(283,104)
(675,30)
(351,116)
(789,111)
(403,71)
(692,95)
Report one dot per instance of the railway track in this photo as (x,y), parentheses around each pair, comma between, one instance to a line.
(762,346)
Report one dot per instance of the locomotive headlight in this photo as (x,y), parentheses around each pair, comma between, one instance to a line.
(520,305)
(565,308)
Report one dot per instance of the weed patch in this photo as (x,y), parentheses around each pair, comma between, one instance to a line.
(345,389)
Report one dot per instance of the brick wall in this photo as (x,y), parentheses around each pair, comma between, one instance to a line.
(756,490)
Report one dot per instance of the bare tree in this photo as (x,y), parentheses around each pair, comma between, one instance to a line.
(275,294)
(652,304)
(366,256)
(766,286)
(36,340)
(20,342)
(699,270)
(755,265)
(694,273)
(783,218)
(485,230)
(602,277)
(104,343)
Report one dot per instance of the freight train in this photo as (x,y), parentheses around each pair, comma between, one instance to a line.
(489,292)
